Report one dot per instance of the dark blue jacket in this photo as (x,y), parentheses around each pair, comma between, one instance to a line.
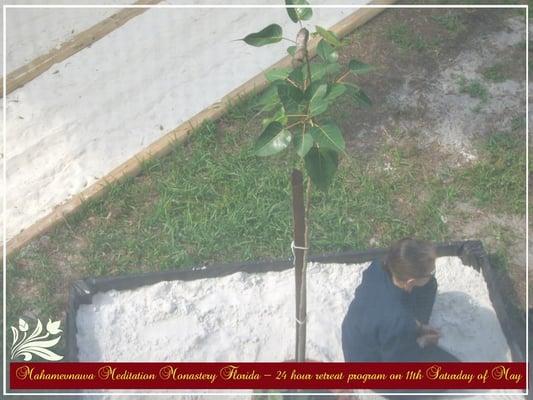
(380,324)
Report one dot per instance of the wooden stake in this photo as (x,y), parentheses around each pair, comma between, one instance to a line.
(298,212)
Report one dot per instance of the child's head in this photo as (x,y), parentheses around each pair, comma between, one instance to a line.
(411,262)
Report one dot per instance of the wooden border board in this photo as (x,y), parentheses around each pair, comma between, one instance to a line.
(41,64)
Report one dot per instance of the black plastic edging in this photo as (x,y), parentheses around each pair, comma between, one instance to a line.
(511,329)
(471,253)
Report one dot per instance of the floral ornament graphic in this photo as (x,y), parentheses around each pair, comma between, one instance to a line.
(34,344)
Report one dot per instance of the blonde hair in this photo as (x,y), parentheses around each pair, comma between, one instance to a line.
(410,259)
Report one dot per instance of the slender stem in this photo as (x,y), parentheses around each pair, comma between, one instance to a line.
(308,77)
(254,116)
(343,76)
(307,207)
(326,135)
(301,294)
(308,68)
(296,123)
(308,71)
(293,83)
(290,40)
(303,134)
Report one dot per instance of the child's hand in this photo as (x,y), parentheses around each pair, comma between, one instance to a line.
(427,336)
(428,330)
(426,340)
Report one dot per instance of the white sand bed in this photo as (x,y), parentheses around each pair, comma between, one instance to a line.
(87,115)
(250,317)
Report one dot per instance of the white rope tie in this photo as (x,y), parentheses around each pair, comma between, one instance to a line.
(301,322)
(297,247)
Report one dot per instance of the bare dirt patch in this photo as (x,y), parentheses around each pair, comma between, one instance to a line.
(445,79)
(420,66)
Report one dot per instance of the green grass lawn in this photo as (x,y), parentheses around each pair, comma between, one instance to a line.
(212,201)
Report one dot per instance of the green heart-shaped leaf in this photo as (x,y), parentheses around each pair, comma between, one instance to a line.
(318,103)
(334,91)
(358,67)
(290,97)
(291,50)
(276,74)
(328,36)
(319,71)
(328,136)
(269,99)
(310,91)
(321,165)
(271,34)
(357,95)
(279,116)
(297,76)
(273,140)
(303,144)
(298,14)
(288,89)
(327,52)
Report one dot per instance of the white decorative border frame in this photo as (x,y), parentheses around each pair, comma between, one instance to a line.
(152,393)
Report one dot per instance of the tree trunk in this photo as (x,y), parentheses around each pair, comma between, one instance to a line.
(298,211)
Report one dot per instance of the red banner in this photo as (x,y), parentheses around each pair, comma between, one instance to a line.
(290,375)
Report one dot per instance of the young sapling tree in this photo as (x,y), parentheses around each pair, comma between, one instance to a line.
(298,98)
